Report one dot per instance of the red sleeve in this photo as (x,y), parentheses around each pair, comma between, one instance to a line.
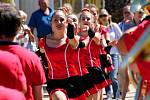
(38,71)
(129,41)
(131,37)
(140,30)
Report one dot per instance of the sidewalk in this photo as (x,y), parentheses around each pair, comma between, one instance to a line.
(130,94)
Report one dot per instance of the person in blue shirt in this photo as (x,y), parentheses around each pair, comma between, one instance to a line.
(127,21)
(41,18)
(41,21)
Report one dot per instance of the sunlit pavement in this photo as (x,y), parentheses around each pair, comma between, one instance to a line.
(130,95)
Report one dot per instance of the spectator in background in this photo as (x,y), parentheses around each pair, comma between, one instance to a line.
(25,37)
(115,33)
(138,16)
(10,23)
(127,21)
(41,18)
(138,13)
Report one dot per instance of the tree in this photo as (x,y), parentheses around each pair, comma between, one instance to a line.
(115,8)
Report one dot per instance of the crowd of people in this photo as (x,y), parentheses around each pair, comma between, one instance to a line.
(76,55)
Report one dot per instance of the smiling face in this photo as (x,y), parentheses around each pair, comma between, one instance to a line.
(59,22)
(86,18)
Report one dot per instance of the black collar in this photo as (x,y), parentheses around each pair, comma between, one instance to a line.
(8,43)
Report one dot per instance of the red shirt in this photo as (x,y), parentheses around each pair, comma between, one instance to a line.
(61,62)
(81,61)
(92,58)
(11,73)
(10,94)
(131,38)
(31,65)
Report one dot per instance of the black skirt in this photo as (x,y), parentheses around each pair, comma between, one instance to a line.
(72,85)
(88,85)
(99,77)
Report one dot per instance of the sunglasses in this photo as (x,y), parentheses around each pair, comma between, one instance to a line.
(102,16)
(140,12)
(83,18)
(126,12)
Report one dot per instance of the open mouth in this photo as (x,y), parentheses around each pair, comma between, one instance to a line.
(86,24)
(59,26)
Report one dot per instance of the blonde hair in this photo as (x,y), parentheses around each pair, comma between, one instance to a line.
(23,15)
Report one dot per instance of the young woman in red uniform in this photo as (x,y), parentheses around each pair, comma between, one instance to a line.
(91,40)
(64,80)
(88,86)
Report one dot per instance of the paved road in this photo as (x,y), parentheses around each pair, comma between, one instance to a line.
(131,93)
(129,96)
